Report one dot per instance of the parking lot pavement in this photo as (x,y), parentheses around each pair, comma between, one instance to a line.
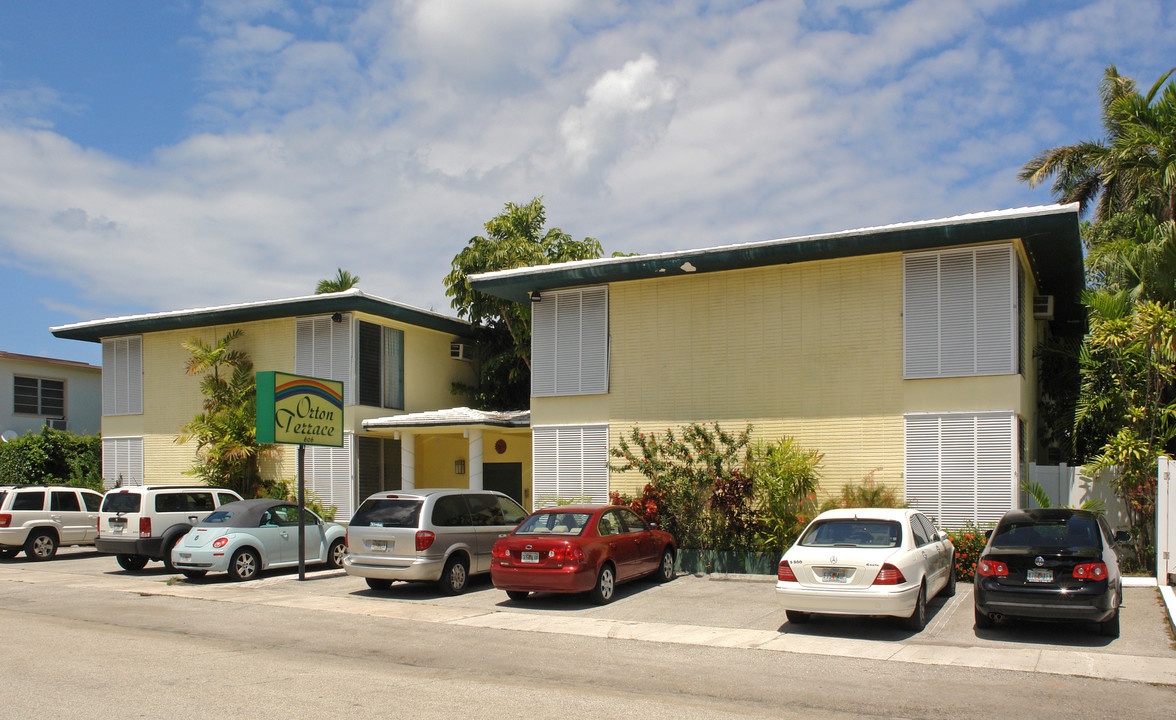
(693,610)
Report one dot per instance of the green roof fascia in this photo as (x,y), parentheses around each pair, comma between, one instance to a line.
(229,315)
(1051,239)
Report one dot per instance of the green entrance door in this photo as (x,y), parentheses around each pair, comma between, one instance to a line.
(506,478)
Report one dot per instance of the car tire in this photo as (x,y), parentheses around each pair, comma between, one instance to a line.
(983,622)
(194,574)
(167,552)
(1110,626)
(378,583)
(949,590)
(665,569)
(41,545)
(245,565)
(795,617)
(606,585)
(132,563)
(918,619)
(336,553)
(517,595)
(454,577)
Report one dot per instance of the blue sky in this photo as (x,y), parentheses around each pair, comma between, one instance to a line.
(167,154)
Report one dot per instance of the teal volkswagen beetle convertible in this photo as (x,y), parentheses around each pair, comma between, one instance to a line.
(243,538)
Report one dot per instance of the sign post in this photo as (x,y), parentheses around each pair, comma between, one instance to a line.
(299,410)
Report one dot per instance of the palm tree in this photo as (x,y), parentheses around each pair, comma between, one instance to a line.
(343,280)
(1137,158)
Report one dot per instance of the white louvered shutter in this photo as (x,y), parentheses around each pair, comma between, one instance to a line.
(921,462)
(545,462)
(122,376)
(957,314)
(594,342)
(543,347)
(322,349)
(568,342)
(569,462)
(329,473)
(920,316)
(996,311)
(997,481)
(122,458)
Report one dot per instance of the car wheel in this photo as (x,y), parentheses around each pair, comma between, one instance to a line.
(606,585)
(378,584)
(983,622)
(167,551)
(918,619)
(517,595)
(798,618)
(41,545)
(194,574)
(132,563)
(949,589)
(336,554)
(454,577)
(245,564)
(1110,626)
(665,571)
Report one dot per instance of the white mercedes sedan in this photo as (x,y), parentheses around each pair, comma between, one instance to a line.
(867,561)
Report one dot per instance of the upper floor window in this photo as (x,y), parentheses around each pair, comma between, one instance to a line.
(38,396)
(569,343)
(122,376)
(960,313)
(381,366)
(322,349)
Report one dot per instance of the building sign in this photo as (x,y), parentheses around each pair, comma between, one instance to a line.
(299,410)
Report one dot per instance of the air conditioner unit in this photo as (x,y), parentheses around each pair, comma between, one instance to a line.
(57,423)
(1043,307)
(461,351)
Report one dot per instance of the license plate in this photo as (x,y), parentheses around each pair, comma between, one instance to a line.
(185,556)
(529,557)
(1036,575)
(835,575)
(379,545)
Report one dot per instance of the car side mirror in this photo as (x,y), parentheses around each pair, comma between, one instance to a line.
(942,535)
(1122,536)
(653,526)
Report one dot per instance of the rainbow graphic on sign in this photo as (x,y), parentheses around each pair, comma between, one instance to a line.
(299,410)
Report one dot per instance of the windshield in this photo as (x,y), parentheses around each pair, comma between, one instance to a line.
(554,523)
(388,512)
(1072,532)
(850,532)
(123,502)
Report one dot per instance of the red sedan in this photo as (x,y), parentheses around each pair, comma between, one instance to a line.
(580,548)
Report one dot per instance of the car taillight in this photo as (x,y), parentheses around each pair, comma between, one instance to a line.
(889,575)
(1091,571)
(424,539)
(145,527)
(5,519)
(784,572)
(568,553)
(220,542)
(992,568)
(499,552)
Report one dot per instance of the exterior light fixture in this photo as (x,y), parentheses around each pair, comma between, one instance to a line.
(459,467)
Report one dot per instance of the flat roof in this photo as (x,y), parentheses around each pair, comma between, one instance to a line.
(52,361)
(453,417)
(1050,234)
(352,300)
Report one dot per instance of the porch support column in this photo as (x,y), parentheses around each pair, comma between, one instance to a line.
(475,459)
(407,460)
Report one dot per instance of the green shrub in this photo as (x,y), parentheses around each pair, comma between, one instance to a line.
(288,490)
(865,494)
(53,457)
(786,479)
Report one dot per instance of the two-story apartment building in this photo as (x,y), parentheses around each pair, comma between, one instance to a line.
(39,391)
(393,360)
(904,350)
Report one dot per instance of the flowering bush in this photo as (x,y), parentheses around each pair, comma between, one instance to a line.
(969,542)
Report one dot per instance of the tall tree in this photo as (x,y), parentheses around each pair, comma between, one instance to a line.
(343,280)
(227,451)
(514,238)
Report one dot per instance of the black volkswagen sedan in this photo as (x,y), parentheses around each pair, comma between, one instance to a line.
(1051,564)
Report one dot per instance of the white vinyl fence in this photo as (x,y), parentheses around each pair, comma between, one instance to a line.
(1165,522)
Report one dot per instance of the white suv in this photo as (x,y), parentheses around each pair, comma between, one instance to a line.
(40,518)
(142,523)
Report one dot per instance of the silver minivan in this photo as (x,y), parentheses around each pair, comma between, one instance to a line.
(428,535)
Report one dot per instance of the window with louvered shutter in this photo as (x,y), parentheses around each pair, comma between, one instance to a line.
(960,312)
(322,349)
(122,461)
(329,473)
(961,467)
(570,462)
(569,343)
(122,376)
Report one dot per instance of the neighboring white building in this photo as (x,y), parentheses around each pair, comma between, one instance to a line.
(38,391)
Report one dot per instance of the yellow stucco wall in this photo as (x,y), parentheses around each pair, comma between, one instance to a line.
(811,350)
(171,398)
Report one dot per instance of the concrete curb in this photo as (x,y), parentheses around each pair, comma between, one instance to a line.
(1169,598)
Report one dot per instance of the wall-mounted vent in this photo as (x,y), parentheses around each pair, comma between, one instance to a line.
(461,351)
(1043,307)
(57,423)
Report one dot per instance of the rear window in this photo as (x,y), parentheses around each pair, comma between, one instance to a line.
(388,512)
(218,517)
(3,494)
(554,523)
(1071,532)
(122,502)
(849,532)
